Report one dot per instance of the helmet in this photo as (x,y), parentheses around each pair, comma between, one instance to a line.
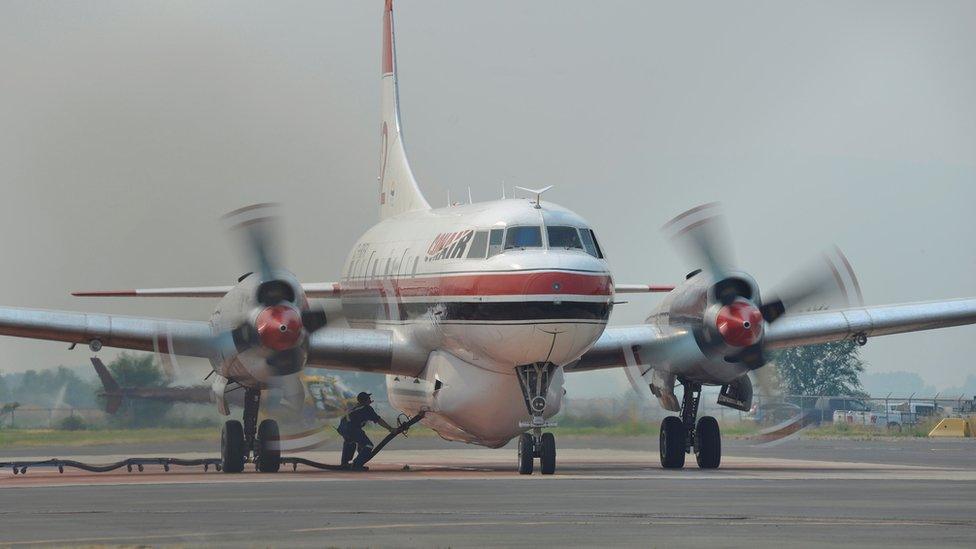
(364,398)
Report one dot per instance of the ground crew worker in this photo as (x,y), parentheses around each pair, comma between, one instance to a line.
(353,435)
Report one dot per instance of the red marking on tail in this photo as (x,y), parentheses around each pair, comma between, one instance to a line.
(388,38)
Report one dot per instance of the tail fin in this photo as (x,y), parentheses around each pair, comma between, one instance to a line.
(398,189)
(112,397)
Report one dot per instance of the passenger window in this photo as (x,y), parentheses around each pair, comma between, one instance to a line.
(495,242)
(523,237)
(479,244)
(564,237)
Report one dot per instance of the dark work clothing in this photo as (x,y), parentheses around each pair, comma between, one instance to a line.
(365,446)
(359,416)
(351,429)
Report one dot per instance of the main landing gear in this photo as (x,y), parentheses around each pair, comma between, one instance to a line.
(534,380)
(239,441)
(681,435)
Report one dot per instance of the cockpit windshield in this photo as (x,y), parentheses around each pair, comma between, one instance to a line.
(564,237)
(523,237)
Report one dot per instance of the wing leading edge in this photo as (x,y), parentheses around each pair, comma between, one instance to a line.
(183,337)
(314,290)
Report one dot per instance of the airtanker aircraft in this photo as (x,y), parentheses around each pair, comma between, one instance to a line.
(476,312)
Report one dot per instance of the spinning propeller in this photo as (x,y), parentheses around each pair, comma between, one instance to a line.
(736,314)
(277,326)
(282,319)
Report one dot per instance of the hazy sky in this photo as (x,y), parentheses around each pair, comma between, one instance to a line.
(127,128)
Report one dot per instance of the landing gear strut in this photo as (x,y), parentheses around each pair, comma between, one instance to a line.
(239,442)
(534,380)
(680,436)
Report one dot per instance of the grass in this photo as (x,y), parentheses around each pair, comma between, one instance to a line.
(25,438)
(21,438)
(864,432)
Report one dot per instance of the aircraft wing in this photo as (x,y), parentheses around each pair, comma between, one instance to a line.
(621,345)
(826,326)
(315,290)
(183,337)
(342,348)
(641,288)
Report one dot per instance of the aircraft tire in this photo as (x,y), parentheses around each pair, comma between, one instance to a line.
(708,443)
(547,454)
(269,455)
(526,454)
(232,447)
(672,443)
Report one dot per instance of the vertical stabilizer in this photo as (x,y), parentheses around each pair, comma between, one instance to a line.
(398,189)
(112,394)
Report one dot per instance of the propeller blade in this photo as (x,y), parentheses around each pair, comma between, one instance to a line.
(768,381)
(828,282)
(752,356)
(302,426)
(634,373)
(772,391)
(258,227)
(314,319)
(701,234)
(289,361)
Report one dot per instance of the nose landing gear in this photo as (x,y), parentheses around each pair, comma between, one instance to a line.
(260,443)
(534,380)
(680,436)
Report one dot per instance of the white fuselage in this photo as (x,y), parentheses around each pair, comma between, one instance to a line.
(480,302)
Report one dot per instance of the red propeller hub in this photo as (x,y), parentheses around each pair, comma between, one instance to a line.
(740,324)
(279,327)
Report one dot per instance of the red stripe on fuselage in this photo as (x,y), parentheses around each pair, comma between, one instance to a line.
(532,283)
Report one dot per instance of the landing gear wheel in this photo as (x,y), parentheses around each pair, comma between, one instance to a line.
(269,453)
(526,454)
(708,443)
(232,447)
(547,454)
(673,437)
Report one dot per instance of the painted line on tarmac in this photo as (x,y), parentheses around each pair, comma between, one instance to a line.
(669,521)
(658,474)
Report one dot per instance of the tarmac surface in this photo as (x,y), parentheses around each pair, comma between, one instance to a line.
(607,491)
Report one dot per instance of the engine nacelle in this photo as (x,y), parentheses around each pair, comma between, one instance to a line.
(262,327)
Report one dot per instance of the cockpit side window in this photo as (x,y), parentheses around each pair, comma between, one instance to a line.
(495,240)
(564,237)
(478,245)
(588,243)
(523,237)
(599,251)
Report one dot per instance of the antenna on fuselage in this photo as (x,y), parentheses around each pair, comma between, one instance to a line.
(537,193)
(470,201)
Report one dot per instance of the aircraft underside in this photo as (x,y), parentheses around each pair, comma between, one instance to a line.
(472,404)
